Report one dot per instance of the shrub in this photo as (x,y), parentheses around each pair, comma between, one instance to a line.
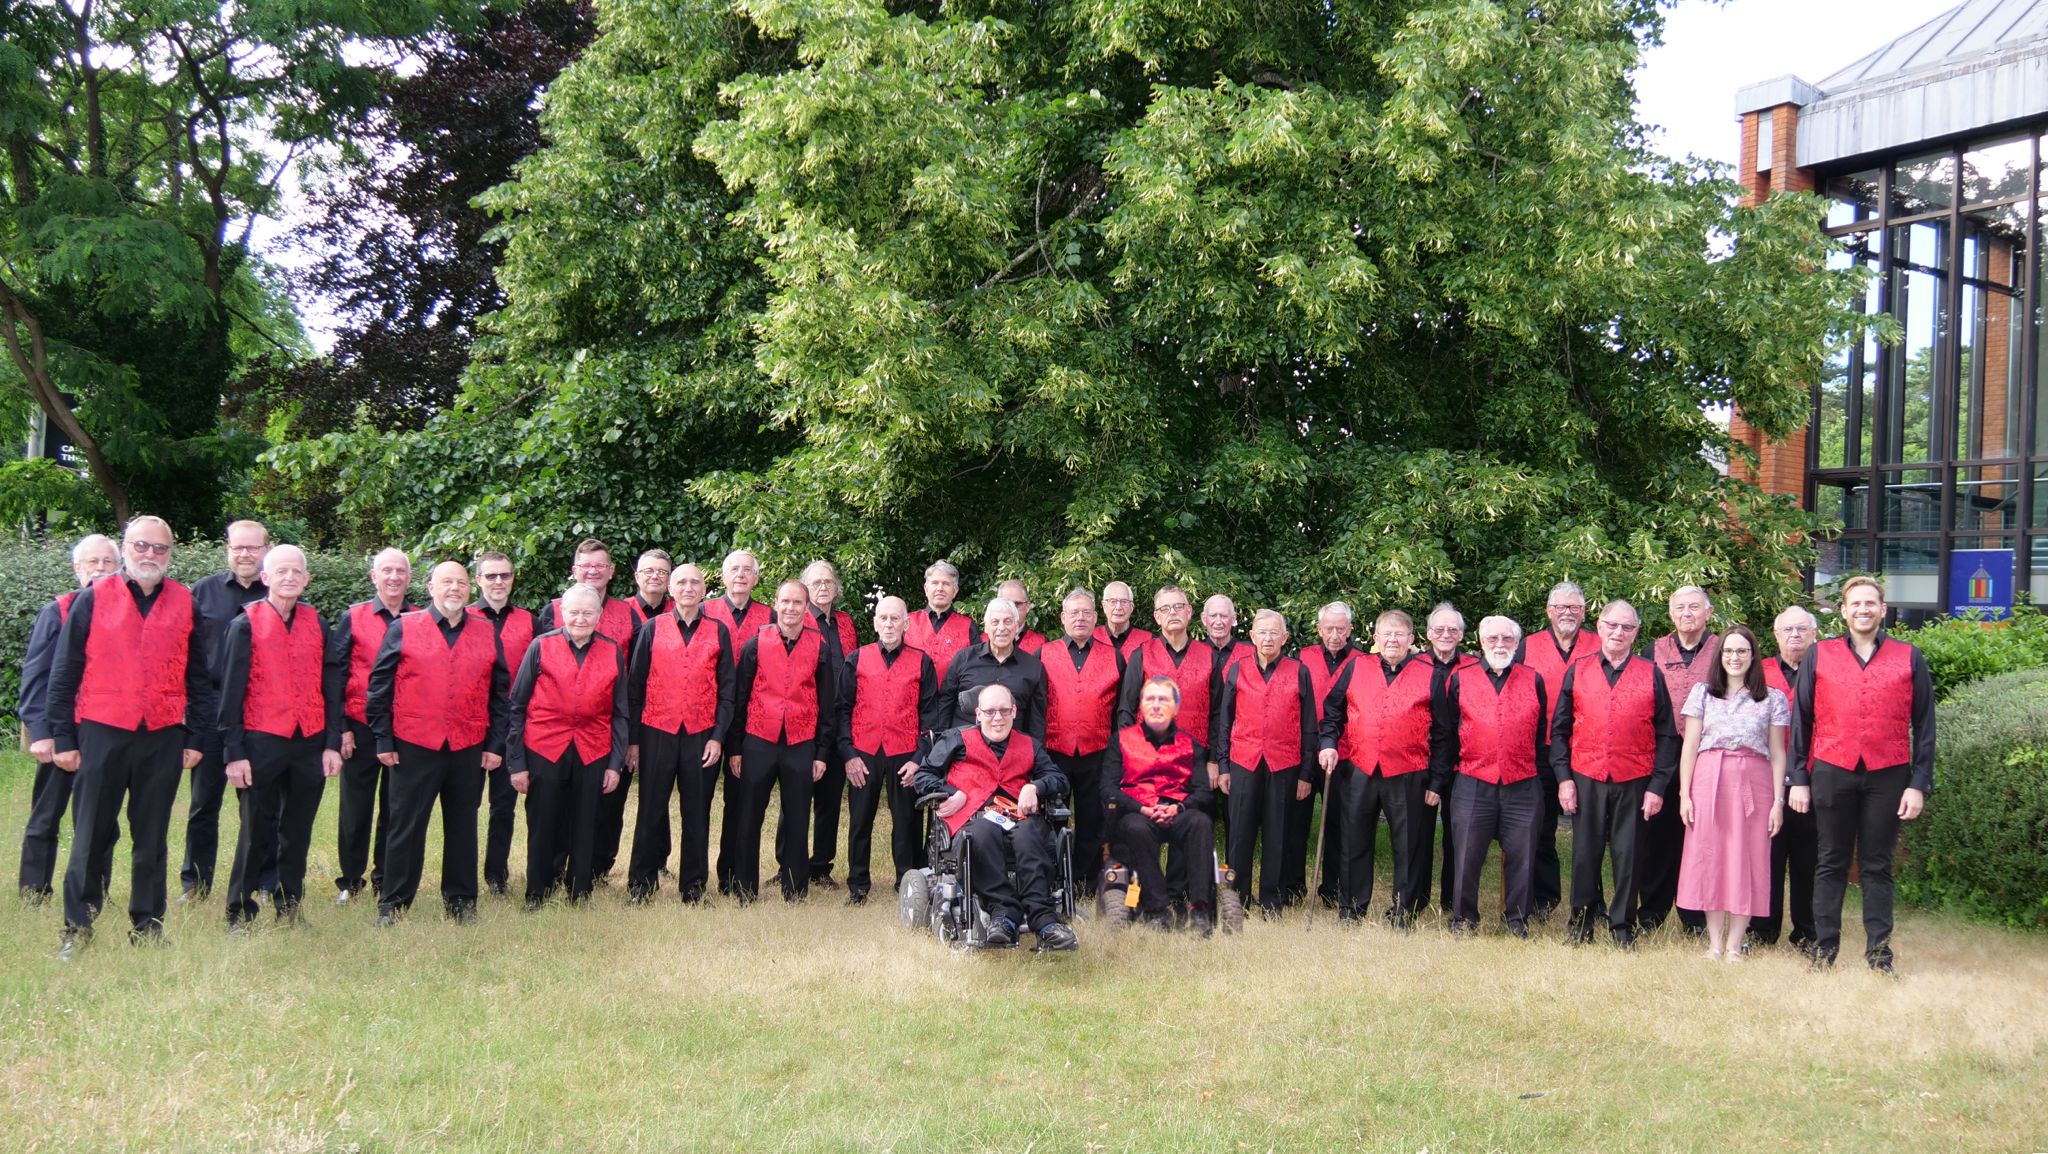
(1981,847)
(1962,650)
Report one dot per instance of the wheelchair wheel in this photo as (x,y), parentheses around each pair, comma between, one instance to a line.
(914,901)
(1110,907)
(1229,911)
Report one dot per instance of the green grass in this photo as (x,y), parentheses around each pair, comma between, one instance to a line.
(827,1028)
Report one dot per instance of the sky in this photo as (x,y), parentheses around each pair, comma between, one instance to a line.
(1686,88)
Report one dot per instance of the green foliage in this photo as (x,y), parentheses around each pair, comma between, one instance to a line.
(34,574)
(1964,650)
(1380,299)
(1981,846)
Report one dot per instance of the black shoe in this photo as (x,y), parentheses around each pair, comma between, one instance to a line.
(532,905)
(238,927)
(638,895)
(387,919)
(1460,928)
(288,914)
(1579,930)
(149,933)
(499,889)
(1348,915)
(1329,898)
(1519,929)
(1057,936)
(1624,938)
(693,895)
(464,913)
(1001,932)
(824,880)
(856,897)
(73,941)
(1820,960)
(1541,914)
(1880,959)
(34,898)
(1202,920)
(1400,919)
(1692,932)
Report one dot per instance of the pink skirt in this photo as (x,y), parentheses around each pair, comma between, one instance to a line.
(1727,863)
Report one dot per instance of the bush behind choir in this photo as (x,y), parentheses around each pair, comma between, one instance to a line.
(1706,778)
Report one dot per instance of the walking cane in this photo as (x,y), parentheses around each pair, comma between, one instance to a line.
(1311,899)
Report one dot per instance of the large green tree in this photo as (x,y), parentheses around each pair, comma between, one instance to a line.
(144,139)
(1386,299)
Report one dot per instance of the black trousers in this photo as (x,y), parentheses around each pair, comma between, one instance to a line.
(826,795)
(1084,774)
(765,767)
(1425,827)
(1295,846)
(611,825)
(1660,846)
(672,764)
(862,803)
(48,800)
(498,831)
(1261,805)
(455,778)
(561,823)
(365,805)
(1610,815)
(1029,849)
(730,819)
(1856,813)
(202,818)
(1331,891)
(1482,814)
(1190,871)
(142,768)
(1548,883)
(1361,799)
(277,809)
(1795,854)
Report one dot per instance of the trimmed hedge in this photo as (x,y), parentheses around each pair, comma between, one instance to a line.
(1964,650)
(1981,846)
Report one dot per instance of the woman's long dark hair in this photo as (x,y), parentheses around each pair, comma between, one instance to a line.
(1717,677)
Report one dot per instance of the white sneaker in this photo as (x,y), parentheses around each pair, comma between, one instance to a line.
(341,899)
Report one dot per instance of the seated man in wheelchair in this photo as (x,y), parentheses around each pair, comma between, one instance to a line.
(995,779)
(1155,785)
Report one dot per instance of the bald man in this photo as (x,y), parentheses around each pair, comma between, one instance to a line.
(275,695)
(679,689)
(352,644)
(439,706)
(886,718)
(785,710)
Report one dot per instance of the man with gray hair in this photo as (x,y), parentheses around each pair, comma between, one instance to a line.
(1795,851)
(1551,651)
(94,556)
(1028,639)
(890,707)
(1444,630)
(997,660)
(1325,662)
(1488,730)
(127,701)
(936,629)
(1684,657)
(352,644)
(218,600)
(1118,604)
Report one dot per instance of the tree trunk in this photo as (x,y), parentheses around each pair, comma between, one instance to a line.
(34,364)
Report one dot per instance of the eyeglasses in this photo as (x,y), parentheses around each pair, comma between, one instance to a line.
(998,711)
(1621,626)
(1795,629)
(1180,608)
(247,548)
(494,576)
(150,548)
(1568,608)
(650,571)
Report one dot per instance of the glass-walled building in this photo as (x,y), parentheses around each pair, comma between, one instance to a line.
(1930,152)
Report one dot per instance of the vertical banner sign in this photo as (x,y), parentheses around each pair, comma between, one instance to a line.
(1980,582)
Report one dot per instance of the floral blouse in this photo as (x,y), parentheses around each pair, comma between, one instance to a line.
(1737,721)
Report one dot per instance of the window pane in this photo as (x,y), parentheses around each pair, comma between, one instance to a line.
(1910,570)
(1853,197)
(1848,387)
(2038,586)
(1841,558)
(1844,500)
(1990,332)
(1923,184)
(1997,170)
(1920,272)
(1987,497)
(2040,495)
(1911,502)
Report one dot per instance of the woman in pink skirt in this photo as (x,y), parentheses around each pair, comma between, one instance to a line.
(1731,793)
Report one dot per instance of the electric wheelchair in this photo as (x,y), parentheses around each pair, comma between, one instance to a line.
(941,895)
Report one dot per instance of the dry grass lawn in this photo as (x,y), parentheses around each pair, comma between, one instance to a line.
(613,1028)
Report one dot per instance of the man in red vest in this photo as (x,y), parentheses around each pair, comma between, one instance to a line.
(1862,761)
(1156,791)
(1189,663)
(128,697)
(1376,735)
(651,575)
(352,645)
(592,566)
(1325,662)
(821,578)
(566,740)
(1446,635)
(217,600)
(1265,742)
(680,701)
(1551,651)
(890,706)
(784,691)
(735,606)
(1613,745)
(1489,731)
(1016,593)
(93,557)
(276,694)
(437,705)
(995,781)
(1219,625)
(1083,671)
(1684,657)
(937,629)
(1795,851)
(1118,603)
(514,628)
